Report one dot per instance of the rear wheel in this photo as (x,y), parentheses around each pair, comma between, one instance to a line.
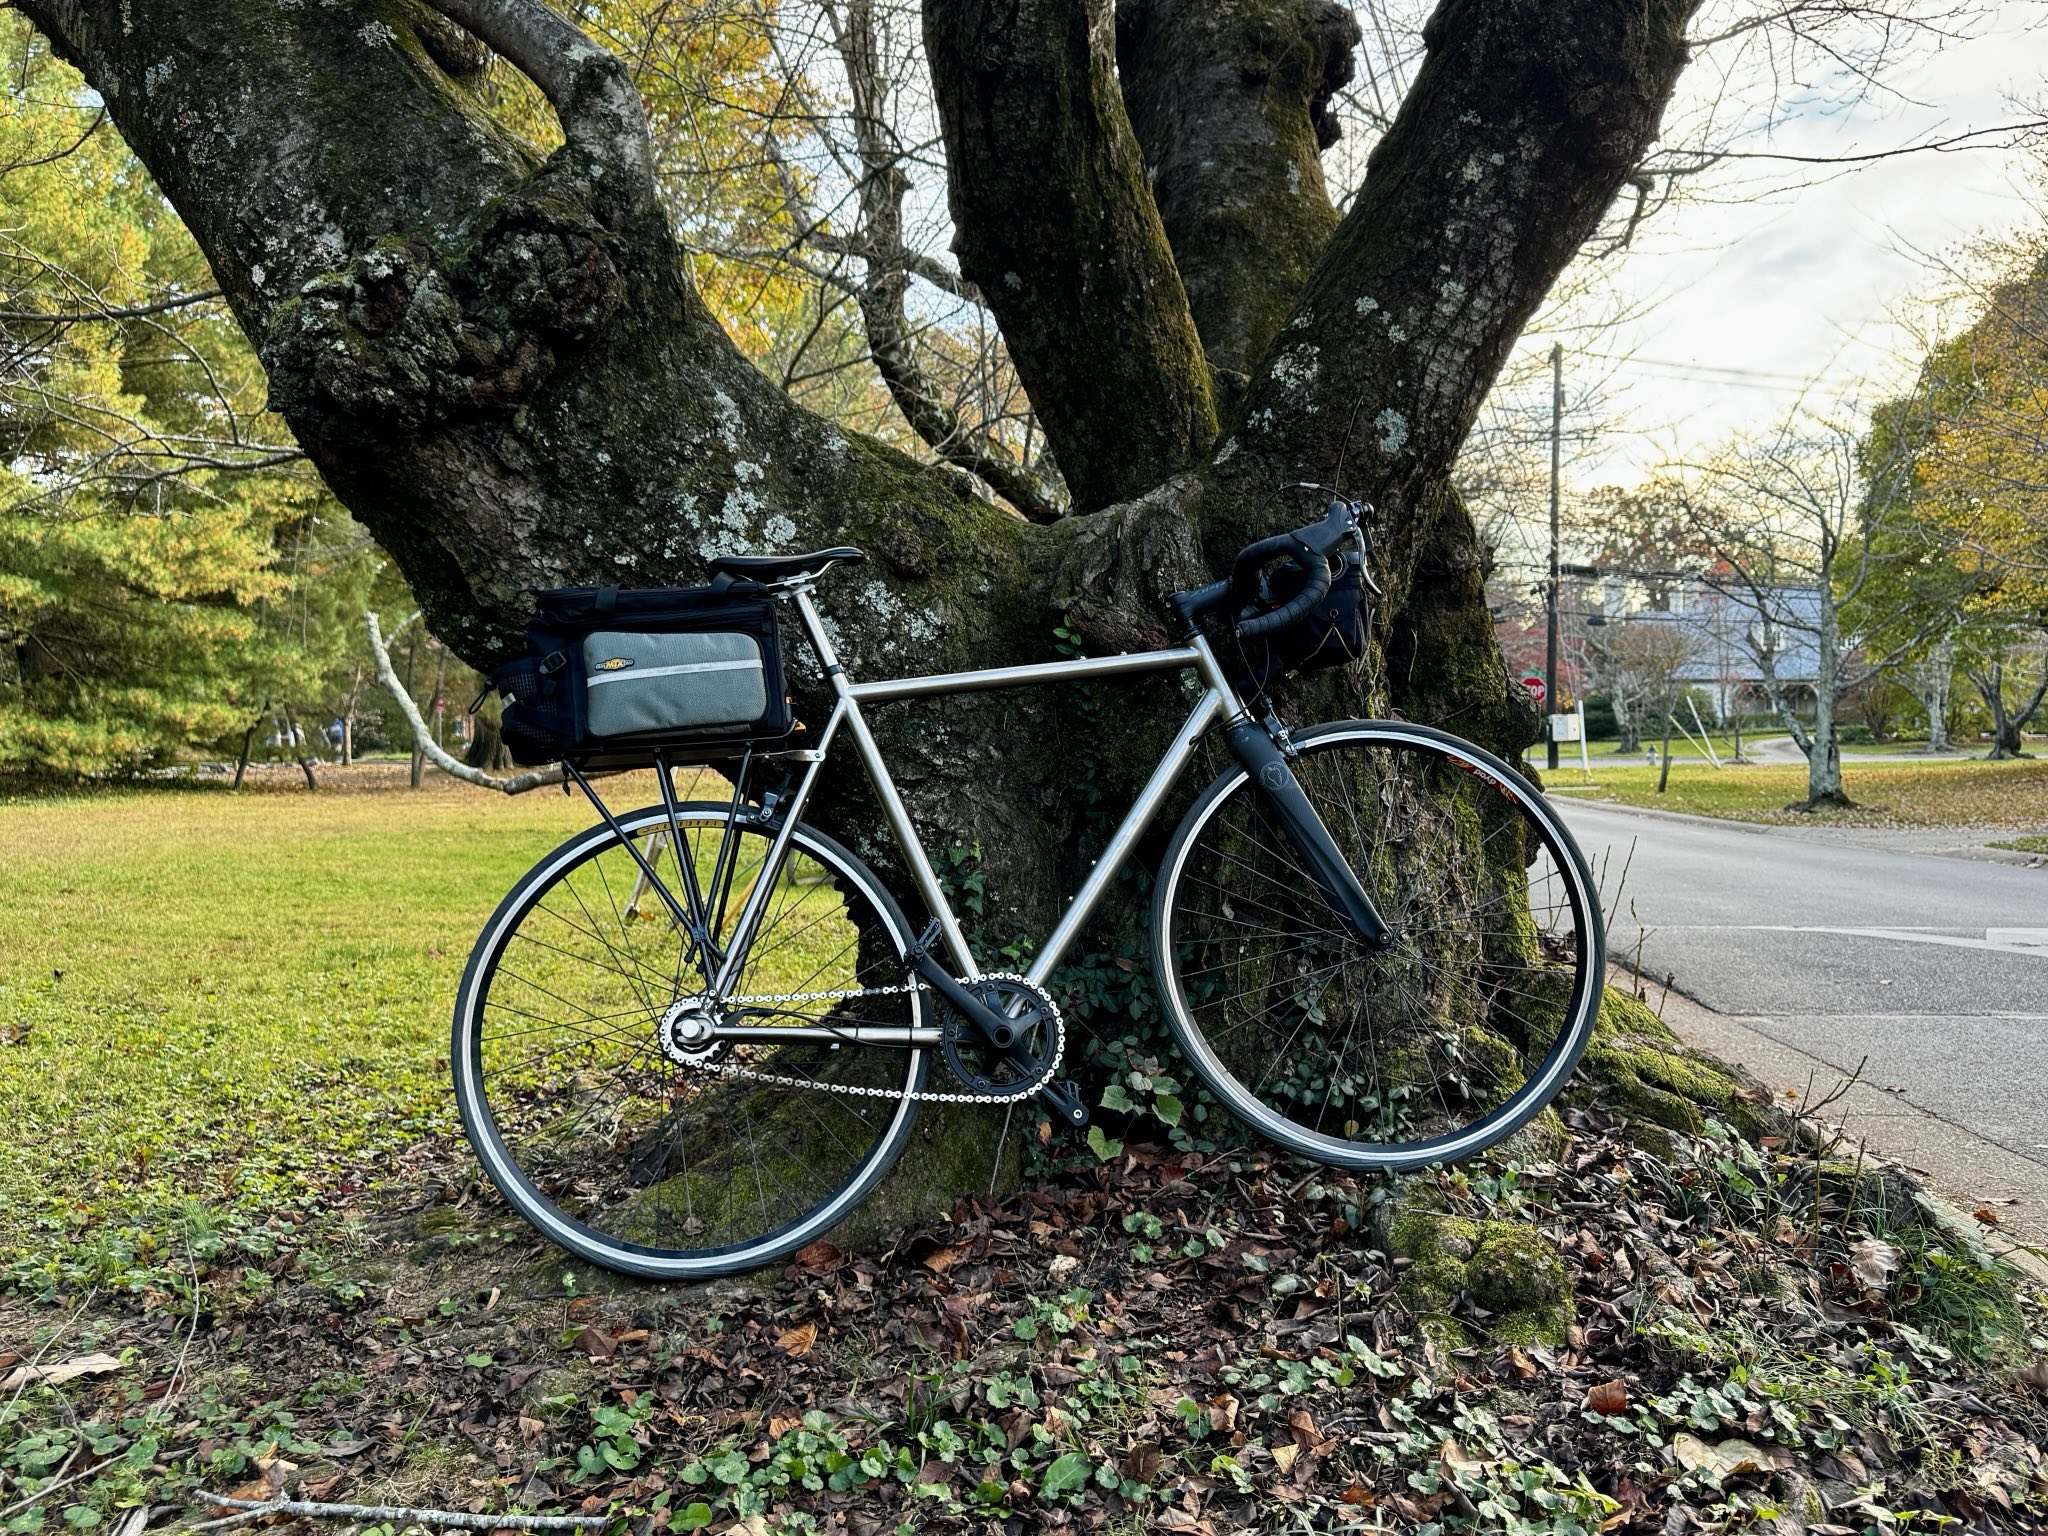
(584,1096)
(1382,1059)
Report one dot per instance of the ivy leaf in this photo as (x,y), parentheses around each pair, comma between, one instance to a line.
(1104,1147)
(1167,1108)
(1066,1475)
(693,1518)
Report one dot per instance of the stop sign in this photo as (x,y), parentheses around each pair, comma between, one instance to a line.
(1533,681)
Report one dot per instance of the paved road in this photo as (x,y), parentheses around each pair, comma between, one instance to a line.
(1935,969)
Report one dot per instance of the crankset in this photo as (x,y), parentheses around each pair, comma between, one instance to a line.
(1011,1058)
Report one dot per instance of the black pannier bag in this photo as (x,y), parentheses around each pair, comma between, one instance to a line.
(613,675)
(1330,634)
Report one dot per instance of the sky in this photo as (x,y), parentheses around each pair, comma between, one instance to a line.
(1748,308)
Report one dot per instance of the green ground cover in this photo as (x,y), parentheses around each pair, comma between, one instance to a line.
(224,1010)
(1971,793)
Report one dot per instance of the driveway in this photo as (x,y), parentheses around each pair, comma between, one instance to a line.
(1932,972)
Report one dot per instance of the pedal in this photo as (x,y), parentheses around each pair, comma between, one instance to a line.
(1066,1099)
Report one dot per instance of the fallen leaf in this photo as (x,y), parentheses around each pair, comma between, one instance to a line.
(1223,1413)
(819,1255)
(1609,1397)
(1989,1218)
(1873,1262)
(1520,1364)
(56,1373)
(1731,1458)
(797,1340)
(780,1425)
(939,1260)
(1283,1456)
(596,1343)
(1357,1496)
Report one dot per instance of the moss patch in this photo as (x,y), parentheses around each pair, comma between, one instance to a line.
(1637,1066)
(1506,1268)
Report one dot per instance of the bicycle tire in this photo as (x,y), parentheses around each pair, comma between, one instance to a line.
(1274,917)
(507,1153)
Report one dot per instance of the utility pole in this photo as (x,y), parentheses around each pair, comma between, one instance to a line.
(1550,694)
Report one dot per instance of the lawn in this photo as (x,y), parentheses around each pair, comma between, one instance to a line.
(226,1015)
(2009,795)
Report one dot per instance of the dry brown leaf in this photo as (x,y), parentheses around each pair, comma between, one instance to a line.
(1223,1413)
(1358,1496)
(1283,1456)
(1874,1261)
(1520,1364)
(819,1255)
(797,1340)
(939,1260)
(1609,1397)
(57,1372)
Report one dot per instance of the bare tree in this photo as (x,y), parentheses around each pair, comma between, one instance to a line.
(1795,524)
(1639,661)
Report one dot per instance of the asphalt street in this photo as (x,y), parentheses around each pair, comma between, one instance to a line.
(1932,972)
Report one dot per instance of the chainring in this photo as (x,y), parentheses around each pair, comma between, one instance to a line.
(1040,1037)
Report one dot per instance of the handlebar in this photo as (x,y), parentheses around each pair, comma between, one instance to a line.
(1310,548)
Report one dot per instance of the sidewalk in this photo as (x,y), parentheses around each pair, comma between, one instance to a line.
(1971,1173)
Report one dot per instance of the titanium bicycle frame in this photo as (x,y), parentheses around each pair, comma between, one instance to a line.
(1252,742)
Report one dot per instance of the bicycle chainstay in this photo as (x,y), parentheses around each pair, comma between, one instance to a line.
(782,1080)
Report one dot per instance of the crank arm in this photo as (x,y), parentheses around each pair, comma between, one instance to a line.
(1067,1103)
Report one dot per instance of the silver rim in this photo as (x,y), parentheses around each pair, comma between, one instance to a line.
(1537,1090)
(484,1137)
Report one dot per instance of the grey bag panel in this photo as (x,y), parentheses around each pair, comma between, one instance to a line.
(635,684)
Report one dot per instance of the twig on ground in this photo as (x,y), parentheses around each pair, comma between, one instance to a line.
(60,1481)
(251,1509)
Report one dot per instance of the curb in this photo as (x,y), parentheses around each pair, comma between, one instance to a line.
(1965,1170)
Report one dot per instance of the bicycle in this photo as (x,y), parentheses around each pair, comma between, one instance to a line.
(695,1036)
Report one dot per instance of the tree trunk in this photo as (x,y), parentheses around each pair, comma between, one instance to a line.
(248,743)
(1931,680)
(1824,758)
(1664,768)
(297,745)
(499,363)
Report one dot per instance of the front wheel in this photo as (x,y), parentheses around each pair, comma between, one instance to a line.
(1384,1059)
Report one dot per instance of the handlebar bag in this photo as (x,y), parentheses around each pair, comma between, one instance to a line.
(1330,634)
(613,675)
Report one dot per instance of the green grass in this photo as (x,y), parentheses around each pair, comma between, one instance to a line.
(227,1015)
(2023,844)
(1933,794)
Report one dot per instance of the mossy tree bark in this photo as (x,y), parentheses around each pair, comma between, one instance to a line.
(498,361)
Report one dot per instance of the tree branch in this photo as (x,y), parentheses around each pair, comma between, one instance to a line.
(1231,104)
(883,293)
(1056,227)
(588,86)
(454,767)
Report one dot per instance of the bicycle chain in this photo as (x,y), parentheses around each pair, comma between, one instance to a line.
(782,1080)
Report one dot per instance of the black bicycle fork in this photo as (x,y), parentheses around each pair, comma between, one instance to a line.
(1261,748)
